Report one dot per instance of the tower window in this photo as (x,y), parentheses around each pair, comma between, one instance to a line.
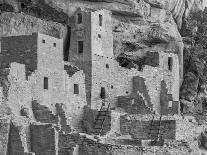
(43,41)
(45,82)
(54,44)
(80,46)
(99,35)
(80,19)
(107,65)
(170,63)
(76,89)
(100,20)
(103,93)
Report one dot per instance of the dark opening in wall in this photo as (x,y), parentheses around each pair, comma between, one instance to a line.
(170,63)
(45,82)
(43,41)
(80,47)
(54,44)
(99,35)
(140,68)
(107,65)
(76,89)
(80,18)
(67,44)
(100,20)
(103,93)
(23,6)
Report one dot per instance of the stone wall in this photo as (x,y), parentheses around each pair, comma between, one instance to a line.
(44,139)
(20,49)
(82,32)
(134,104)
(19,136)
(89,121)
(119,81)
(4,135)
(141,129)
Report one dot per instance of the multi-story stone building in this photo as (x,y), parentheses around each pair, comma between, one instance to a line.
(91,49)
(32,69)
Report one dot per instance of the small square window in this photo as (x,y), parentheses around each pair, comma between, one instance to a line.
(76,89)
(107,65)
(45,83)
(80,19)
(99,35)
(43,41)
(80,47)
(54,44)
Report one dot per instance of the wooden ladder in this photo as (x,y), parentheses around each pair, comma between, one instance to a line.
(100,118)
(155,130)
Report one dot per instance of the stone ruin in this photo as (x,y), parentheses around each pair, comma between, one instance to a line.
(85,102)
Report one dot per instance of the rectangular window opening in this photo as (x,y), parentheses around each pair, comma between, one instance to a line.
(100,20)
(79,18)
(103,93)
(170,63)
(43,41)
(170,104)
(99,35)
(80,47)
(45,82)
(76,89)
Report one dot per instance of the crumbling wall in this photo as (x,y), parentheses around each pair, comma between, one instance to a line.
(89,121)
(19,136)
(44,139)
(139,129)
(90,147)
(4,135)
(119,81)
(19,93)
(43,114)
(134,104)
(75,102)
(20,49)
(61,112)
(67,143)
(165,99)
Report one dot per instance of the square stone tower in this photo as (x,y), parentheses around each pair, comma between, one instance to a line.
(91,36)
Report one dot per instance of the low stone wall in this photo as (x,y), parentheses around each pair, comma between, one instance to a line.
(141,129)
(44,139)
(67,143)
(89,119)
(90,147)
(4,135)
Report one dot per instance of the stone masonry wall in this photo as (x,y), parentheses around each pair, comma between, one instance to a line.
(82,32)
(20,49)
(4,135)
(119,81)
(141,129)
(19,136)
(89,121)
(44,139)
